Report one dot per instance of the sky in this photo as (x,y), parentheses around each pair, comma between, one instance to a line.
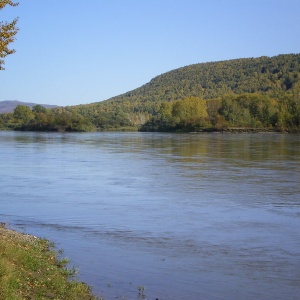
(71,52)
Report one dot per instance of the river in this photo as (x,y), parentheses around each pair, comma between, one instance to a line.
(187,216)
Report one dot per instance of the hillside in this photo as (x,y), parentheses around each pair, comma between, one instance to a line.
(213,79)
(9,106)
(259,92)
(267,75)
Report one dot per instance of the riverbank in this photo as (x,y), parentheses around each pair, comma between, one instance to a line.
(248,130)
(31,269)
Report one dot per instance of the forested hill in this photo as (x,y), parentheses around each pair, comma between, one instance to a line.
(268,75)
(213,79)
(256,93)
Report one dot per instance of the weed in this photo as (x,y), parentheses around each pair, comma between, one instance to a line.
(141,289)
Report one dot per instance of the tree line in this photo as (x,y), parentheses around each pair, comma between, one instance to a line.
(40,118)
(248,110)
(251,93)
(274,77)
(245,111)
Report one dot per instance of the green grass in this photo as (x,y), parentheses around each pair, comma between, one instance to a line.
(31,269)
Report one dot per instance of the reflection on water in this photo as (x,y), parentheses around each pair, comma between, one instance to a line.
(189,216)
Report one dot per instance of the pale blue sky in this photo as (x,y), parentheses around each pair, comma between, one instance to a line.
(75,52)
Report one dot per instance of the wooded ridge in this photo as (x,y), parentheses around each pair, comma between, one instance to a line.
(259,92)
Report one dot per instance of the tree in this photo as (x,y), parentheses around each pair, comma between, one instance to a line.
(43,118)
(23,114)
(190,112)
(165,116)
(235,110)
(213,106)
(8,31)
(38,109)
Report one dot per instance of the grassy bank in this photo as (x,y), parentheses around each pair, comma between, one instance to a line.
(31,269)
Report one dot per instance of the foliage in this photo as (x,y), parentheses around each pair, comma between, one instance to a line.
(243,111)
(43,119)
(23,115)
(190,111)
(250,93)
(264,75)
(8,31)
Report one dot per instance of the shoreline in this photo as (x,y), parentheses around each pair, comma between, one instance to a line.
(295,130)
(32,269)
(247,130)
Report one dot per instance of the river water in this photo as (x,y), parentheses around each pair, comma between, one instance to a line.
(187,216)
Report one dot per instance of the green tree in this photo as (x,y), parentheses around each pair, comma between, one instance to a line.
(296,103)
(213,107)
(38,109)
(63,121)
(8,31)
(235,111)
(23,115)
(80,123)
(190,112)
(43,119)
(40,121)
(165,116)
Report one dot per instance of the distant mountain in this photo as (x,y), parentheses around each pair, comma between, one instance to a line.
(9,105)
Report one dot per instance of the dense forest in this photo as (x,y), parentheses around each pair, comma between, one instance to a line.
(259,92)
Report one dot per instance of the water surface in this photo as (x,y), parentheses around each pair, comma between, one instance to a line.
(188,216)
